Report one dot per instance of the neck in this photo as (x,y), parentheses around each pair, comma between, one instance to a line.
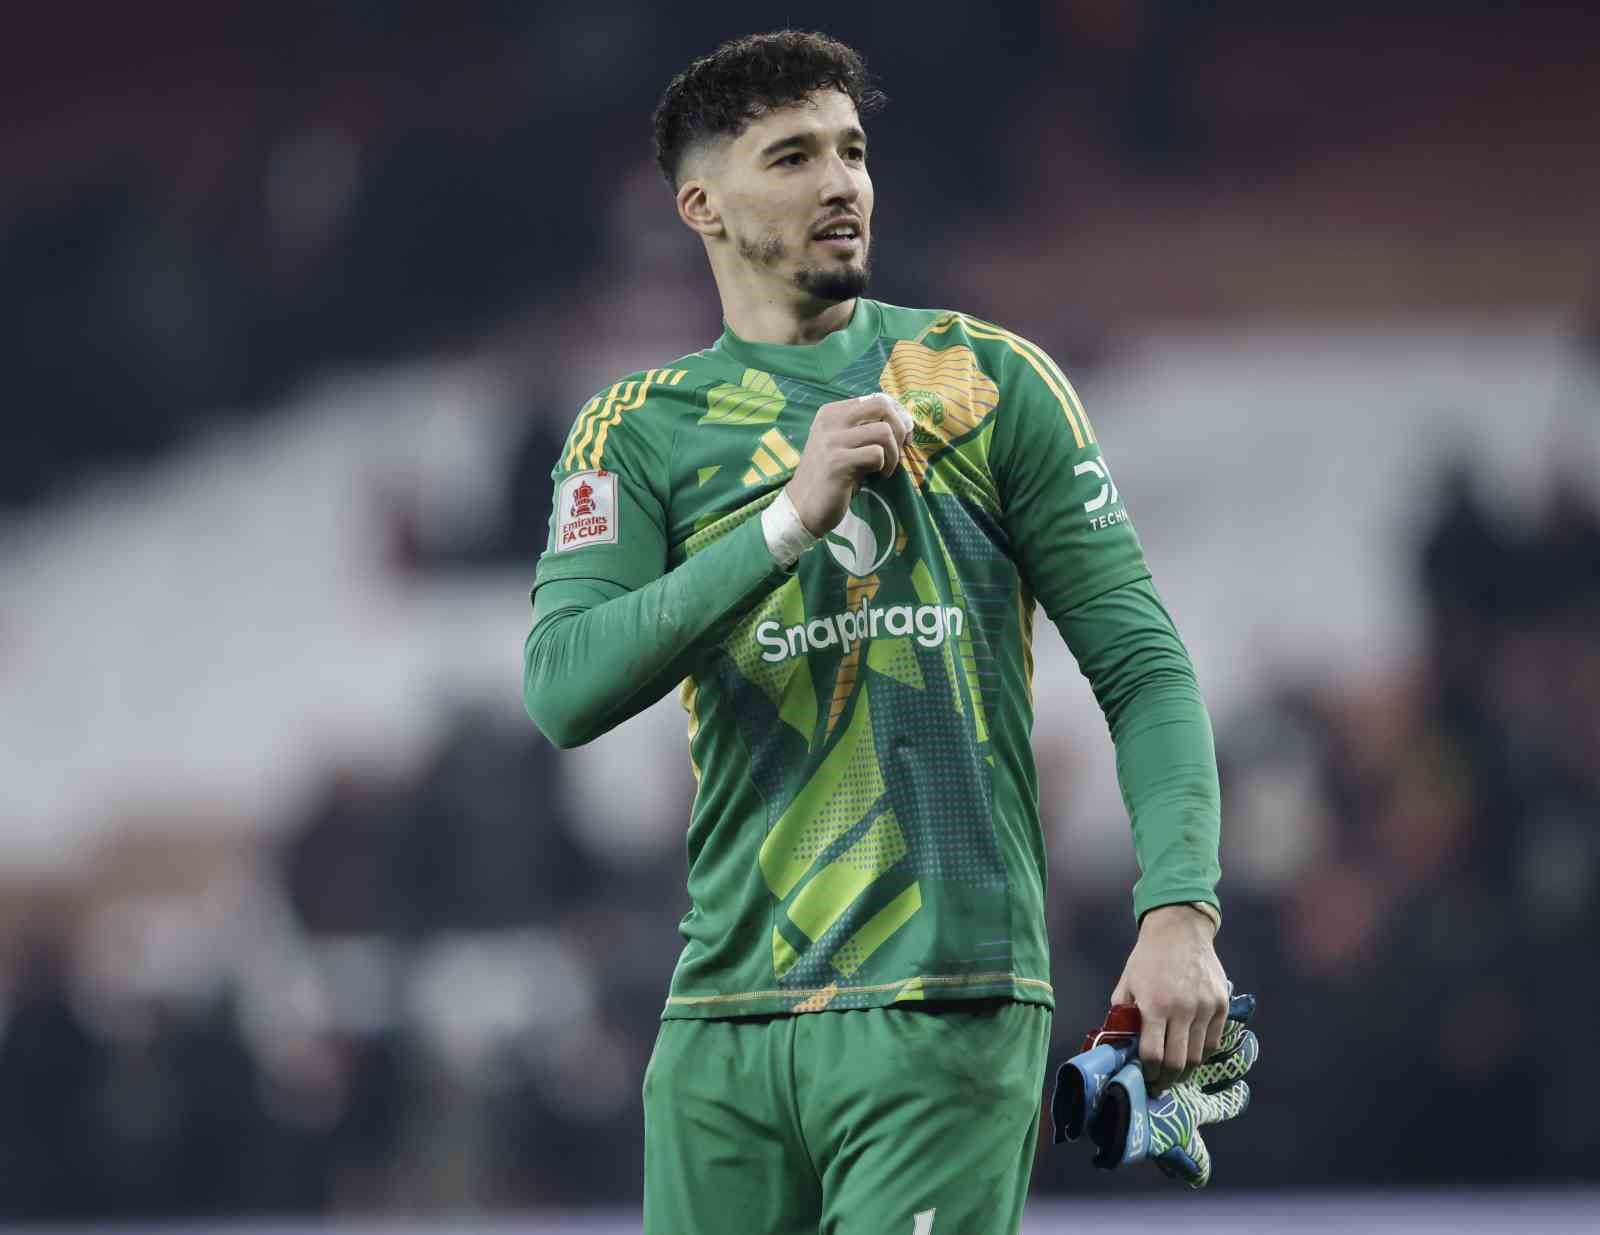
(763,314)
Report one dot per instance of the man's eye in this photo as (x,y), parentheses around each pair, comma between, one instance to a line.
(791,160)
(857,153)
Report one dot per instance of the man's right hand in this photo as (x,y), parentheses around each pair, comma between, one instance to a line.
(850,440)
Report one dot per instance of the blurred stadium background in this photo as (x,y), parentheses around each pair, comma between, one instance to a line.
(298,913)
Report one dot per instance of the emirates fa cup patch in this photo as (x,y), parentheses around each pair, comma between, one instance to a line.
(588,510)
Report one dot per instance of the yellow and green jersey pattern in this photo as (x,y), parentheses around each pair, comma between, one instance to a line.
(866,827)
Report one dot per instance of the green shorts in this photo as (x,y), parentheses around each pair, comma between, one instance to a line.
(881,1121)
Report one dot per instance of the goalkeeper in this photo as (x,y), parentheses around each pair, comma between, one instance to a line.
(830,531)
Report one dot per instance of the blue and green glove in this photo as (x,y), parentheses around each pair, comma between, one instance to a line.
(1102,1091)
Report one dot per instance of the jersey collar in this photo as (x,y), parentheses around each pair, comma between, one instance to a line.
(816,362)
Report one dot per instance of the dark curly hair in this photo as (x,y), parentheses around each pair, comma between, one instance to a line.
(744,79)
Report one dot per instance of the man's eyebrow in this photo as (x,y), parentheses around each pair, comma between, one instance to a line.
(783,143)
(802,140)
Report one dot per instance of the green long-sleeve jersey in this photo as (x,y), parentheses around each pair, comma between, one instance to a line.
(866,827)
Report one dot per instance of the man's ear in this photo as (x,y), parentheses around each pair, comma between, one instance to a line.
(696,209)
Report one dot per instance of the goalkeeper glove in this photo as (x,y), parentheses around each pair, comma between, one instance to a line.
(1102,1090)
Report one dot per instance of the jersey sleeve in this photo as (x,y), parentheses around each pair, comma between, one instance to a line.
(611,487)
(1126,644)
(1062,511)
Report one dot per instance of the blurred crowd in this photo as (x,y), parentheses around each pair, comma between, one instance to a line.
(459,1000)
(218,240)
(205,204)
(421,178)
(439,987)
(1419,961)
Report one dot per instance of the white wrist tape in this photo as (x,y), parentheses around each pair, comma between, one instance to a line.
(1210,911)
(787,537)
(907,423)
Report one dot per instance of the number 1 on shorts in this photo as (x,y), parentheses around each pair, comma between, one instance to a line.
(922,1224)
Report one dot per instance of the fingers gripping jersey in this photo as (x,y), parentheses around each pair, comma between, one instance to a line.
(866,826)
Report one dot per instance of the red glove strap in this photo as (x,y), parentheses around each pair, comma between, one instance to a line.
(1122,1024)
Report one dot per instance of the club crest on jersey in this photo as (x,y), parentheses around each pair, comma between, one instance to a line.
(865,536)
(927,411)
(586,510)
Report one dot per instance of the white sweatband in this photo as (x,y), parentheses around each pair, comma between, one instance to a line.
(787,537)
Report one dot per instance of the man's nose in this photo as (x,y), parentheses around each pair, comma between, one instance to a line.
(839,184)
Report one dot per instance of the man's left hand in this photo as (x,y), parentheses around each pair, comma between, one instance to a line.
(1174,978)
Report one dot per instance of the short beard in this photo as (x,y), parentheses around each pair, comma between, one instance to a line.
(827,286)
(833,286)
(768,251)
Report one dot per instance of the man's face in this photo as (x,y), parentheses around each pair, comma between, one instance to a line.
(795,196)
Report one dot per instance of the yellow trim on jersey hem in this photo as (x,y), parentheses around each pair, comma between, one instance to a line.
(945,980)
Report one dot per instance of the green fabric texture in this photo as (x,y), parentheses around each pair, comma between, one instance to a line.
(866,828)
(1141,675)
(588,665)
(885,1119)
(1125,644)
